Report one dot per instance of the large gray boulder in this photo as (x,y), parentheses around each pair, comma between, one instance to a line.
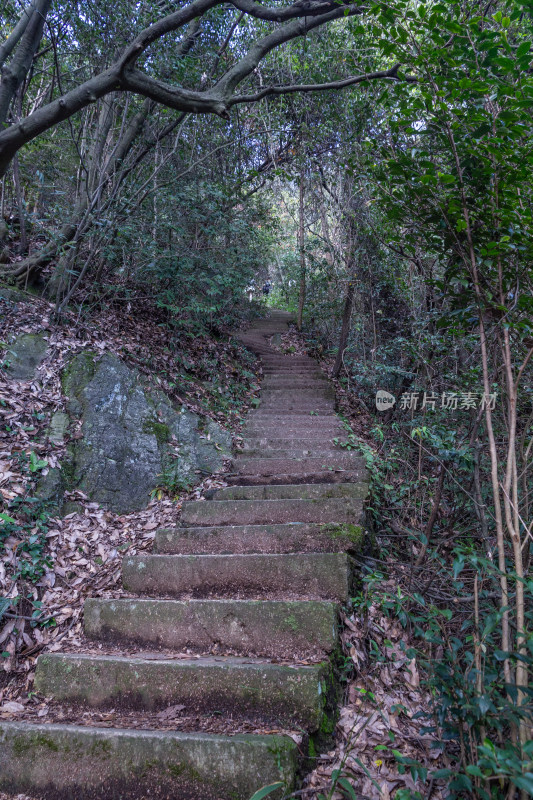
(133,439)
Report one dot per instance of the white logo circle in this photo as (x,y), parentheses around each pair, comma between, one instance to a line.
(384,400)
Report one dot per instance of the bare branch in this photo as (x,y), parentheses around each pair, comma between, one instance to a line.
(173,96)
(302,8)
(16,70)
(292,30)
(318,87)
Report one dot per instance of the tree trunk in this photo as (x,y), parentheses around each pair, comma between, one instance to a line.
(345,327)
(13,74)
(95,178)
(301,245)
(348,300)
(26,270)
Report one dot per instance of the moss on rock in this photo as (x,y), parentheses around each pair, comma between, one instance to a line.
(355,534)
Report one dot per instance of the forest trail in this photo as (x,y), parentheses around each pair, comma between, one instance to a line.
(234,615)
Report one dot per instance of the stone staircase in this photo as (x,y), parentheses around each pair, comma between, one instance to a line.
(235,614)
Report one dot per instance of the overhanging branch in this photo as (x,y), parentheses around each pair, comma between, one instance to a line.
(302,8)
(391,74)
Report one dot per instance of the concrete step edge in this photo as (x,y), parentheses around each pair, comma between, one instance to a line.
(288,694)
(270,628)
(36,758)
(314,575)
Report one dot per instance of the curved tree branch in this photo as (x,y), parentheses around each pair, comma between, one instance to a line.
(298,27)
(303,16)
(302,8)
(268,91)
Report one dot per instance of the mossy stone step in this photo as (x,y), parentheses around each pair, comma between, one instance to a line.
(272,466)
(61,762)
(297,478)
(304,392)
(289,696)
(319,440)
(308,421)
(319,407)
(257,512)
(282,407)
(287,435)
(305,491)
(304,369)
(289,538)
(289,382)
(288,428)
(294,629)
(325,452)
(323,575)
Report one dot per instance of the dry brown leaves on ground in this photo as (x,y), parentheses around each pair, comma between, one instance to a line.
(290,343)
(378,716)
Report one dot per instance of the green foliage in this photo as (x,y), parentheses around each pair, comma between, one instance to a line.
(469,697)
(28,523)
(205,254)
(445,142)
(172,483)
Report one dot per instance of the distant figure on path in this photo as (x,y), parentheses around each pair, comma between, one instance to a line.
(266,288)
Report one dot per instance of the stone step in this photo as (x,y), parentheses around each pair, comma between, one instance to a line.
(325,452)
(321,476)
(289,364)
(269,359)
(304,387)
(293,537)
(313,411)
(296,406)
(276,385)
(290,696)
(301,386)
(290,438)
(264,512)
(295,629)
(304,425)
(273,466)
(292,397)
(292,379)
(290,409)
(294,359)
(291,371)
(288,381)
(357,491)
(288,433)
(310,422)
(90,763)
(300,365)
(305,395)
(317,575)
(318,441)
